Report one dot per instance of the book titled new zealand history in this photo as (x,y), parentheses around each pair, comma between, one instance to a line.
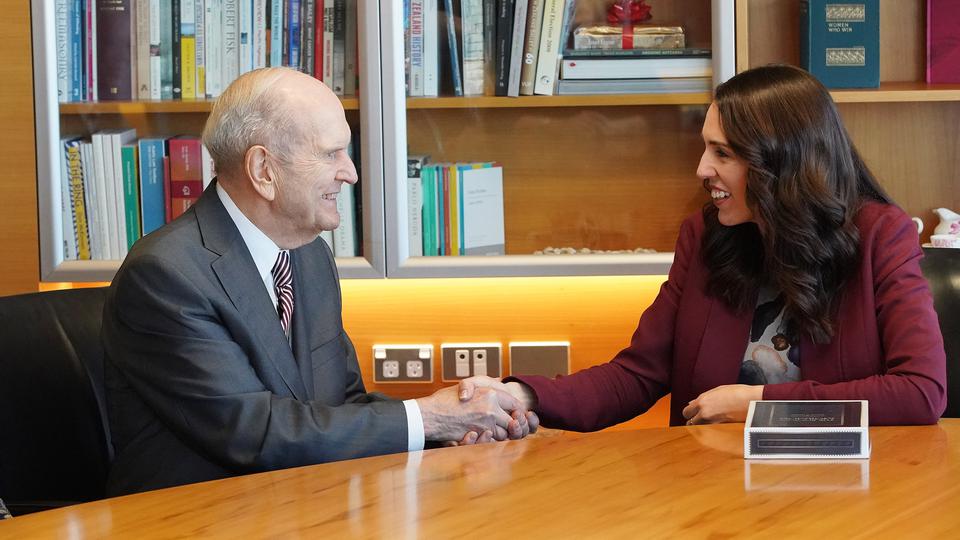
(840,42)
(807,429)
(943,41)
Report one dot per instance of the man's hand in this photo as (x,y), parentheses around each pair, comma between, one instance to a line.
(526,419)
(727,403)
(448,418)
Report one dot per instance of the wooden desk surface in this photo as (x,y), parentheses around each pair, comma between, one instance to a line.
(664,482)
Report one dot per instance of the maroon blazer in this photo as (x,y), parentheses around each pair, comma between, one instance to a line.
(887,348)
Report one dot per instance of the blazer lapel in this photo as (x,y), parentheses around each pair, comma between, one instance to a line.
(300,324)
(721,351)
(240,281)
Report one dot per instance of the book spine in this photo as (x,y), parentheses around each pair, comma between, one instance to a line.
(490,47)
(471,34)
(167,190)
(505,13)
(77,204)
(415,165)
(114,41)
(166,49)
(531,47)
(186,174)
(636,68)
(428,218)
(67,223)
(276,33)
(213,47)
(230,65)
(103,163)
(77,87)
(90,41)
(131,194)
(155,60)
(516,48)
(339,46)
(452,41)
(345,235)
(143,48)
(90,198)
(117,140)
(62,30)
(200,53)
(245,36)
(842,42)
(188,50)
(943,42)
(416,48)
(207,167)
(293,33)
(549,52)
(175,49)
(351,54)
(431,49)
(260,34)
(151,184)
(328,11)
(309,22)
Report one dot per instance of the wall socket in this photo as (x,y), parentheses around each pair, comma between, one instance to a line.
(462,360)
(547,358)
(403,363)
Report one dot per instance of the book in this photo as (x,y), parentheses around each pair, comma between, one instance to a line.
(531,47)
(329,10)
(276,33)
(142,35)
(155,59)
(68,152)
(351,52)
(186,173)
(807,429)
(116,47)
(415,229)
(213,47)
(429,216)
(88,162)
(188,50)
(416,48)
(76,200)
(151,184)
(166,49)
(62,40)
(245,34)
(840,43)
(687,52)
(516,48)
(635,68)
(77,87)
(175,49)
(131,195)
(490,20)
(505,14)
(431,49)
(549,53)
(119,237)
(451,26)
(200,43)
(580,87)
(345,235)
(230,34)
(943,41)
(481,195)
(339,50)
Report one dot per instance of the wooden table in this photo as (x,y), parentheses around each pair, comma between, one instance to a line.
(664,482)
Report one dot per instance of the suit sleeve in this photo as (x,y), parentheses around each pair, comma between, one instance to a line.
(167,339)
(910,386)
(628,385)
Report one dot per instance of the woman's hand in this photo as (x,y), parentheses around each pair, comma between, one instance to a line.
(727,403)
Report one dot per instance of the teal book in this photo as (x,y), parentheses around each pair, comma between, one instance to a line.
(840,42)
(131,193)
(152,205)
(428,179)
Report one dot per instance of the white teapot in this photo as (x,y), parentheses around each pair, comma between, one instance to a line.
(949,222)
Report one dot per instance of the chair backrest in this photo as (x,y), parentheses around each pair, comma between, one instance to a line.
(54,437)
(941,267)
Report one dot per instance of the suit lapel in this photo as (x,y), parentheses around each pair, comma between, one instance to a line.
(240,281)
(300,324)
(724,343)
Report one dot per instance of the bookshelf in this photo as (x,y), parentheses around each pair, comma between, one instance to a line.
(906,129)
(187,117)
(603,172)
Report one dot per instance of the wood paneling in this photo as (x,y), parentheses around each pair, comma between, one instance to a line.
(602,178)
(19,247)
(685,482)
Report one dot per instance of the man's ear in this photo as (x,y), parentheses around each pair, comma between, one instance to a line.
(260,171)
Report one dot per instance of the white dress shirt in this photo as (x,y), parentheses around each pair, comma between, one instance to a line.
(264,252)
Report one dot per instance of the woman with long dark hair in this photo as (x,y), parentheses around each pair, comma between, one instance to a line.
(799,280)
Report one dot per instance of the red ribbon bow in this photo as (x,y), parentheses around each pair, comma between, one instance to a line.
(628,12)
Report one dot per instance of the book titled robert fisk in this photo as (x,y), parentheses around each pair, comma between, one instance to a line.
(806,429)
(840,42)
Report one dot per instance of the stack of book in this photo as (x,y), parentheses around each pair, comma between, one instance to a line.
(484,47)
(454,208)
(193,49)
(115,188)
(647,59)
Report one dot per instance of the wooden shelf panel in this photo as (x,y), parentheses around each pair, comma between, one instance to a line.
(892,92)
(600,100)
(159,107)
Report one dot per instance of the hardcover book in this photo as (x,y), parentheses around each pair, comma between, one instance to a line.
(840,42)
(943,41)
(806,429)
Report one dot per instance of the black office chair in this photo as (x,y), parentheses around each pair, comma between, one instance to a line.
(54,438)
(941,267)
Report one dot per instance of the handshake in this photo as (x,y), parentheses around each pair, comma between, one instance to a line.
(479,409)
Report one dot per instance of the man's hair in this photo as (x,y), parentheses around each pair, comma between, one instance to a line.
(806,183)
(247,114)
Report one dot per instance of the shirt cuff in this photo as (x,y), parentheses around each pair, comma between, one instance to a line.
(415,435)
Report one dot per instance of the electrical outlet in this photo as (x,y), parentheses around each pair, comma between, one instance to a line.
(547,358)
(405,363)
(462,360)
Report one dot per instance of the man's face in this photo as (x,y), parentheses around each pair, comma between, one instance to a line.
(309,181)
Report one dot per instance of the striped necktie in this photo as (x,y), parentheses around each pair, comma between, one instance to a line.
(283,281)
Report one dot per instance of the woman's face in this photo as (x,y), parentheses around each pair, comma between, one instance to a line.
(725,173)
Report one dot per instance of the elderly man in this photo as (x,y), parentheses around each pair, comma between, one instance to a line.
(225,349)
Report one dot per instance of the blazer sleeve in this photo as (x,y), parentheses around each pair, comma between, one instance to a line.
(165,336)
(910,385)
(628,385)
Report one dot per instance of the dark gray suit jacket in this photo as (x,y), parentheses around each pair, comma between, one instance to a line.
(202,383)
